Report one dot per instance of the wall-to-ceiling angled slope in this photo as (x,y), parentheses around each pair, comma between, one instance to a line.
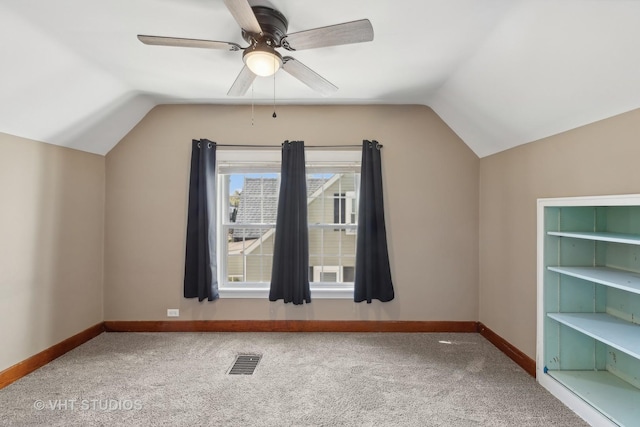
(547,68)
(417,44)
(500,72)
(50,93)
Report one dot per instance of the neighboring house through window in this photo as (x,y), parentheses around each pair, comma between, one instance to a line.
(344,210)
(248,187)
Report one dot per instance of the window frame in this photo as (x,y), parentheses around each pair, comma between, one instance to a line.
(317,160)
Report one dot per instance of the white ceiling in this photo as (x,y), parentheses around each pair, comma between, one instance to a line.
(500,73)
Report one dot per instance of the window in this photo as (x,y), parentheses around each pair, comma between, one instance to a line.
(344,209)
(248,187)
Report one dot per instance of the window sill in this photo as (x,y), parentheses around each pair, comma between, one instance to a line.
(263,293)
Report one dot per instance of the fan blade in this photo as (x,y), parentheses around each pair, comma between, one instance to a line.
(244,16)
(307,76)
(334,35)
(178,42)
(242,83)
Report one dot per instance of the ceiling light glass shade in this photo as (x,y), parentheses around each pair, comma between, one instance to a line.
(262,60)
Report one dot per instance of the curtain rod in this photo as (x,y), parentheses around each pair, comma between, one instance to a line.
(280,146)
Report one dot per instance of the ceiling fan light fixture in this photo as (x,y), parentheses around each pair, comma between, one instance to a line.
(262,60)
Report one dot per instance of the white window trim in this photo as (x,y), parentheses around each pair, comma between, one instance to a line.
(263,292)
(319,290)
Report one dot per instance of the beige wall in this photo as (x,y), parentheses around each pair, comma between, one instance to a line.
(597,159)
(51,245)
(431,196)
(53,211)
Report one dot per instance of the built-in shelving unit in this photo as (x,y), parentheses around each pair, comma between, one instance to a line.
(589,305)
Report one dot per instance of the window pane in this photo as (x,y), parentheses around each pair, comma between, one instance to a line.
(259,268)
(250,190)
(258,201)
(253,202)
(319,210)
(315,242)
(348,274)
(329,251)
(328,277)
(331,248)
(248,259)
(339,208)
(332,198)
(235,268)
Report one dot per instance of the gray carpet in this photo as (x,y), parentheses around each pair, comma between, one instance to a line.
(303,379)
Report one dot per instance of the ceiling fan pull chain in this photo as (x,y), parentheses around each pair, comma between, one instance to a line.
(252,104)
(274,115)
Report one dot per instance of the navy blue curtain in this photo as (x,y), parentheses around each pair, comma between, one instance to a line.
(373,273)
(200,271)
(290,273)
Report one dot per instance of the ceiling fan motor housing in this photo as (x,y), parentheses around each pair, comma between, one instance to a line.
(273,23)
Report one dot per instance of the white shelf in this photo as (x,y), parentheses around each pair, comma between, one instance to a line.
(630,239)
(616,399)
(605,328)
(620,279)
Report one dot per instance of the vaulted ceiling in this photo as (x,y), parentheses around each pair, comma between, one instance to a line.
(500,73)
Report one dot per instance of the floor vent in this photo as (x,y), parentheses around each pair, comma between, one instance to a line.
(245,364)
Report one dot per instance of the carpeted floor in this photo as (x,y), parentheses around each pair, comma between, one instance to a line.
(303,379)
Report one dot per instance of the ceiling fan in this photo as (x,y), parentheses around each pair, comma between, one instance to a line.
(265,29)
